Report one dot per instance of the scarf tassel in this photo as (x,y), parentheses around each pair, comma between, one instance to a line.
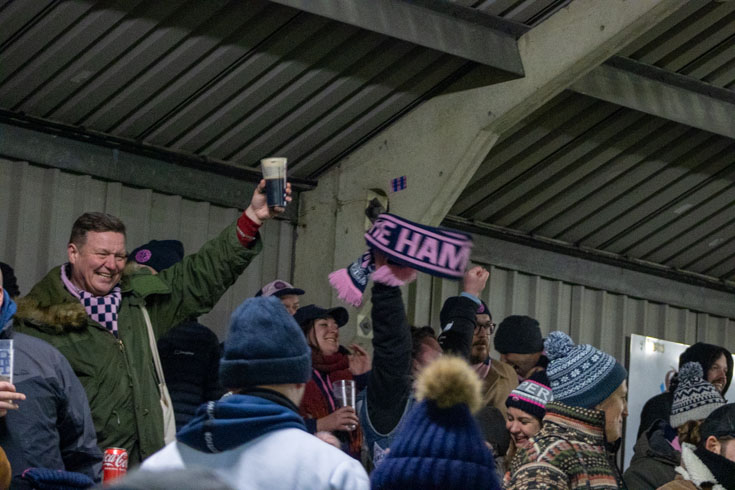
(346,289)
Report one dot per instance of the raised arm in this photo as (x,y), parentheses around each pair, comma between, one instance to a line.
(390,382)
(458,315)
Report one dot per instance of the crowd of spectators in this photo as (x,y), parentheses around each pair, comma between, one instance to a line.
(433,408)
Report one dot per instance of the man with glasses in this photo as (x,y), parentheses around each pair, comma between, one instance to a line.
(499,379)
(712,463)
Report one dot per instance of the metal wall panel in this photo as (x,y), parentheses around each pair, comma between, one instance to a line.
(38,207)
(595,316)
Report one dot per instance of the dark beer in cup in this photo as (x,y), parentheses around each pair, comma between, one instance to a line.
(274,173)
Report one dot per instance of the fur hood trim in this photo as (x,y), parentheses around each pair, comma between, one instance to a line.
(694,470)
(54,319)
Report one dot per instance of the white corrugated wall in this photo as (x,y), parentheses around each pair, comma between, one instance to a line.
(593,316)
(39,205)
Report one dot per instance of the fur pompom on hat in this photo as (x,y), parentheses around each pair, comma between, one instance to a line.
(440,446)
(264,346)
(580,375)
(694,398)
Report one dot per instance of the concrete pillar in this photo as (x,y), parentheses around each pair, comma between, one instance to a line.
(440,145)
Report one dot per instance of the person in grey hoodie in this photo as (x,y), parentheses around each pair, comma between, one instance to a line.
(254,437)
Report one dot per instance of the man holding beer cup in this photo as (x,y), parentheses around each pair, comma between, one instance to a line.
(97,316)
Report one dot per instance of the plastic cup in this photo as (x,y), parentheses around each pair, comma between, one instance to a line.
(274,173)
(344,393)
(6,360)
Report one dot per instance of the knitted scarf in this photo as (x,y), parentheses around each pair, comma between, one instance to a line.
(436,251)
(101,309)
(318,402)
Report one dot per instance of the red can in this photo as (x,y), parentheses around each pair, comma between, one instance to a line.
(115,464)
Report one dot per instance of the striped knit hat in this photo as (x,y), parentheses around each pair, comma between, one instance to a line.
(580,375)
(694,398)
(532,395)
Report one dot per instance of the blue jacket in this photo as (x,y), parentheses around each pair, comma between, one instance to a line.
(52,427)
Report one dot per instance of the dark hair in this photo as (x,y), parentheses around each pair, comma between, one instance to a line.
(706,355)
(8,281)
(418,335)
(97,222)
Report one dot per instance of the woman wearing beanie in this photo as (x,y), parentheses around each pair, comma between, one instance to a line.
(440,446)
(658,450)
(569,451)
(526,409)
(331,362)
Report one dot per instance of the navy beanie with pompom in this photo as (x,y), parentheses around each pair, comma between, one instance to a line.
(264,346)
(580,375)
(440,446)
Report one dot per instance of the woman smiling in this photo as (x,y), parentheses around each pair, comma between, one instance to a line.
(331,362)
(526,409)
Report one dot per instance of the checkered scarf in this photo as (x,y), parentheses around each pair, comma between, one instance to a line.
(101,309)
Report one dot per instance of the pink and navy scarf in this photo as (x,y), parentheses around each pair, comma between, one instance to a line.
(101,309)
(435,251)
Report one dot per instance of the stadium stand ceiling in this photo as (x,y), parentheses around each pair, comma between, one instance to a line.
(636,160)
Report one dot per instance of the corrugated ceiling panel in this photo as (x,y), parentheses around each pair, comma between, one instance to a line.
(593,174)
(230,80)
(40,205)
(697,41)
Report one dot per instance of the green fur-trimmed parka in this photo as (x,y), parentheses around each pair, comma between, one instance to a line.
(118,373)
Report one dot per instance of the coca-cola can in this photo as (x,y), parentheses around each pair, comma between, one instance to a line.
(115,464)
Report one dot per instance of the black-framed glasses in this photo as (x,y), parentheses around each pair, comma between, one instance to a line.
(489,326)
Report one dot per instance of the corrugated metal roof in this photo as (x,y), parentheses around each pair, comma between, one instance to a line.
(236,80)
(600,176)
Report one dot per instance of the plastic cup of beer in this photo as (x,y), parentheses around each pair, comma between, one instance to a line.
(6,360)
(344,393)
(274,173)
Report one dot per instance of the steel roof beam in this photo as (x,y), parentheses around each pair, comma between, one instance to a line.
(661,93)
(437,24)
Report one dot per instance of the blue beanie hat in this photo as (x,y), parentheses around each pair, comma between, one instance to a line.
(158,254)
(440,446)
(580,375)
(264,346)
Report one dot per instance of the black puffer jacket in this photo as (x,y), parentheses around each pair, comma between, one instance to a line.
(190,358)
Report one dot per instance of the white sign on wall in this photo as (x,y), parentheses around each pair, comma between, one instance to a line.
(650,361)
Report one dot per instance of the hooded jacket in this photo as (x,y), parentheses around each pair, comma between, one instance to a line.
(52,427)
(259,441)
(654,459)
(659,406)
(118,373)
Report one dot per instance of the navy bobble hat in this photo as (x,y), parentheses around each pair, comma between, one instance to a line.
(158,254)
(440,446)
(581,375)
(264,346)
(518,334)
